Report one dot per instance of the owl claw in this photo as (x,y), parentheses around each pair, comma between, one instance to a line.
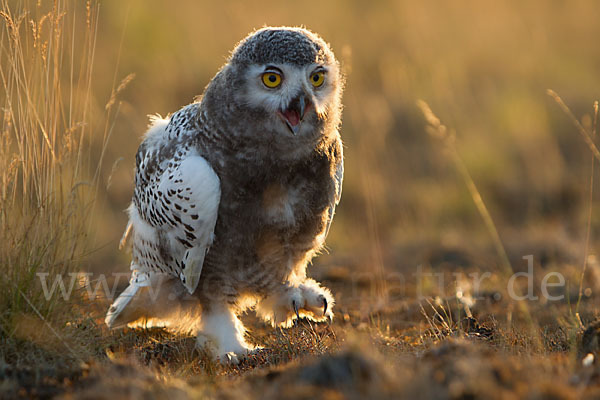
(229,358)
(296,310)
(307,301)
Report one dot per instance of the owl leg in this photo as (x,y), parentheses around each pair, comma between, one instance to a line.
(223,333)
(290,302)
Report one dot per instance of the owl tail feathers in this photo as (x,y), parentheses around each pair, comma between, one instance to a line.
(155,299)
(119,305)
(138,280)
(193,260)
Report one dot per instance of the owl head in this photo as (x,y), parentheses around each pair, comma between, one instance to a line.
(285,81)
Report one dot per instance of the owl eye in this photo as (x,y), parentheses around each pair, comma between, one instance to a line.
(271,79)
(317,78)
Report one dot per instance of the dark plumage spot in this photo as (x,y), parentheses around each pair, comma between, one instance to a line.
(184,242)
(190,236)
(194,216)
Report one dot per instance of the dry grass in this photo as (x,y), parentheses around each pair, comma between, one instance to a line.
(45,134)
(48,181)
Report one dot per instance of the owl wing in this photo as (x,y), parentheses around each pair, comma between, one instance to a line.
(188,198)
(172,217)
(338,179)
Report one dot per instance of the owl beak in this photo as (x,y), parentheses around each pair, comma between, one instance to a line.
(293,115)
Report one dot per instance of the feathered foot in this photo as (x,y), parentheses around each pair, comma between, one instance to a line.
(222,333)
(290,303)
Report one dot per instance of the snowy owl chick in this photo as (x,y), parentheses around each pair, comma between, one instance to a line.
(234,194)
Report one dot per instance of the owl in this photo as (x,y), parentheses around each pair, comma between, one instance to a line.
(235,193)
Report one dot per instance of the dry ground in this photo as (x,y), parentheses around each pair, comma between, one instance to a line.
(439,346)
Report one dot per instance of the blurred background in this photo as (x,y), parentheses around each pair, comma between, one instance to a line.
(422,219)
(483,67)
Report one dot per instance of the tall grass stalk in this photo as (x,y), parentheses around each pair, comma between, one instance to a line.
(47,181)
(589,211)
(589,138)
(439,131)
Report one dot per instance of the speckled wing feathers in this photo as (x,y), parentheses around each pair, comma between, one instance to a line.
(176,200)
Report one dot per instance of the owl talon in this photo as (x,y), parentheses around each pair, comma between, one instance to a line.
(296,310)
(229,358)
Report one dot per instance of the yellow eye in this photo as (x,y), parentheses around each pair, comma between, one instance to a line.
(271,79)
(317,78)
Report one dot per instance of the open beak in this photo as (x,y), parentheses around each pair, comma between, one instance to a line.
(293,115)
